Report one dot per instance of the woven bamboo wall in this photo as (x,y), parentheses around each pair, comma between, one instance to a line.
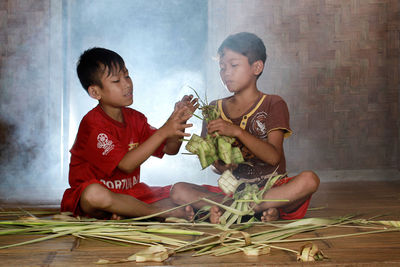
(336,63)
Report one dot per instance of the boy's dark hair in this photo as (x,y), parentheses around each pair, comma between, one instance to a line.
(247,44)
(92,64)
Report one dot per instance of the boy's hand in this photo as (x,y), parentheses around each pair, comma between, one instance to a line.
(223,128)
(188,101)
(219,167)
(176,124)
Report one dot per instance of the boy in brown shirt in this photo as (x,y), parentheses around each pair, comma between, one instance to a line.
(259,122)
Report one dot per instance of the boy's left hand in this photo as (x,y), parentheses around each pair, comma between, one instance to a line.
(188,101)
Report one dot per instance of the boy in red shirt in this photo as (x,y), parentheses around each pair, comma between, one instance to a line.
(259,122)
(113,141)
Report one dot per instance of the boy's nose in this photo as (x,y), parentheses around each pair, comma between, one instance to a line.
(127,82)
(226,75)
(227,72)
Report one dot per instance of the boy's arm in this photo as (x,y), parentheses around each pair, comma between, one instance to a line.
(172,145)
(269,152)
(173,128)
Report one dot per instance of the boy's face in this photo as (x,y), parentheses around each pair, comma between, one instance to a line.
(116,90)
(236,72)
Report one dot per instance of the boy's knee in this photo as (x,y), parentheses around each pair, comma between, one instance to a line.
(178,191)
(96,196)
(311,179)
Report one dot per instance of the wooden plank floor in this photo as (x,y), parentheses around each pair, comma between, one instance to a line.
(335,198)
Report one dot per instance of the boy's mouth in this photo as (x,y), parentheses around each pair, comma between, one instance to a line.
(129,94)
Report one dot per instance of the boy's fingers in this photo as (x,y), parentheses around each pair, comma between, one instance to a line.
(212,129)
(187,98)
(179,111)
(186,114)
(188,125)
(182,133)
(195,107)
(185,101)
(185,134)
(196,100)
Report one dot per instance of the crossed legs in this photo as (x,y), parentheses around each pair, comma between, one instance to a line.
(99,202)
(299,189)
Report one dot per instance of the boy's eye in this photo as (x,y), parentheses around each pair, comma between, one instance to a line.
(235,65)
(115,81)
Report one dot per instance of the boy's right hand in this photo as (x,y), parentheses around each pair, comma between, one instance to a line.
(176,123)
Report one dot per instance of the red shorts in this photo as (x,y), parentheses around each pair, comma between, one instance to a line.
(294,215)
(299,212)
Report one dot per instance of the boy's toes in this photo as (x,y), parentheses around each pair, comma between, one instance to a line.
(271,214)
(189,213)
(115,217)
(215,214)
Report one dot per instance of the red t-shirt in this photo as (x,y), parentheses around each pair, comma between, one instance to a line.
(100,145)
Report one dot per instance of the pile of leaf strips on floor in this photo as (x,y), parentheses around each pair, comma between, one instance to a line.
(162,240)
(165,239)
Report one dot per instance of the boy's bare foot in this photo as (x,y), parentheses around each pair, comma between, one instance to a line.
(116,217)
(189,213)
(271,214)
(215,214)
(186,213)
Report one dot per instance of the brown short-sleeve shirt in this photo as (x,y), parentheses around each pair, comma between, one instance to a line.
(269,113)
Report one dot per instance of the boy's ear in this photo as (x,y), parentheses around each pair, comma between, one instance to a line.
(258,67)
(94,92)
